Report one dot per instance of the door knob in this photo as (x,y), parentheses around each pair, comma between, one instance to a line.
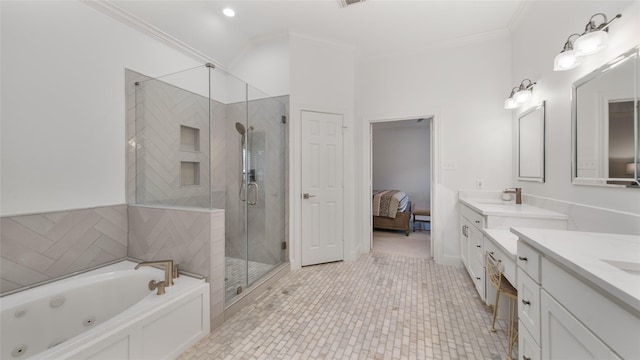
(307,196)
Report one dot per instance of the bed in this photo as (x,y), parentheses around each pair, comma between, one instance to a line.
(391,210)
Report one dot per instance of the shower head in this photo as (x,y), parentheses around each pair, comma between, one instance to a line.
(240,128)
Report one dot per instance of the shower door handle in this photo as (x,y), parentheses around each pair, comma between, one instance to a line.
(256,192)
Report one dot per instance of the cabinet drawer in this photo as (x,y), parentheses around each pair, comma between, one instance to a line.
(478,275)
(507,261)
(474,218)
(529,304)
(476,247)
(527,347)
(529,261)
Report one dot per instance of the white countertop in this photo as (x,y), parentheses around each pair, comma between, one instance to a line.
(610,262)
(497,207)
(505,239)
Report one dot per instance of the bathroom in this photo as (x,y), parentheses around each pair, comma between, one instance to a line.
(64,109)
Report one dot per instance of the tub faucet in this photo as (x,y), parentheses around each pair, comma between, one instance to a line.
(168,269)
(517,191)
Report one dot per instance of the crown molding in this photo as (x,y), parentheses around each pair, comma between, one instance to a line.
(108,8)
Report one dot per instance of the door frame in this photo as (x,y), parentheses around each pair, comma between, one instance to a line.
(434,134)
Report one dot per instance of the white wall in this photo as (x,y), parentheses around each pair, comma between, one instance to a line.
(534,47)
(322,78)
(464,86)
(401,158)
(63,103)
(265,65)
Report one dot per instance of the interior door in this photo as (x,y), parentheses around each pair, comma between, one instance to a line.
(322,202)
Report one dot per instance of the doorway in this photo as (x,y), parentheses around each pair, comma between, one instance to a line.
(401,159)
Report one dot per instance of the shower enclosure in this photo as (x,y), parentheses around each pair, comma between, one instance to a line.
(207,140)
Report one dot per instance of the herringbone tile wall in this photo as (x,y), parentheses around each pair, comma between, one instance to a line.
(191,238)
(40,247)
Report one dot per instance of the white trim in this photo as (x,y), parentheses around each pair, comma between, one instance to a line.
(114,11)
(437,235)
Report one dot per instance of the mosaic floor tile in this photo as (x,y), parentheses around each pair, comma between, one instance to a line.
(382,306)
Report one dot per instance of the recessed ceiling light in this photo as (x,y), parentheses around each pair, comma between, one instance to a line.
(229,12)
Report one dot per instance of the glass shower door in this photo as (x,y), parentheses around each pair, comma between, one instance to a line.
(265,160)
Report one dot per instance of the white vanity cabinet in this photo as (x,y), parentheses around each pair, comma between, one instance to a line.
(472,247)
(477,215)
(572,302)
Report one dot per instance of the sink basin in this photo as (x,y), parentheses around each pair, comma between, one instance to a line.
(632,268)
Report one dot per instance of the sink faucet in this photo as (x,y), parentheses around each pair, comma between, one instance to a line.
(168,269)
(517,191)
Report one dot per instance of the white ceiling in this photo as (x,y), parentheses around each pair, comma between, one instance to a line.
(373,27)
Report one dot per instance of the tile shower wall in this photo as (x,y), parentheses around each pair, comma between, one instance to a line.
(266,220)
(191,238)
(39,247)
(160,111)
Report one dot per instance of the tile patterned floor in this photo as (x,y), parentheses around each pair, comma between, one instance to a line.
(380,307)
(235,273)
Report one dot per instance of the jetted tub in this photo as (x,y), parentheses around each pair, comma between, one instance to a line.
(107,313)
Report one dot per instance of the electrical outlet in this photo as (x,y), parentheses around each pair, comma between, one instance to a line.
(479,184)
(449,165)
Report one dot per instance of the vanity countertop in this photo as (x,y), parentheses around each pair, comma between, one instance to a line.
(497,207)
(505,239)
(610,262)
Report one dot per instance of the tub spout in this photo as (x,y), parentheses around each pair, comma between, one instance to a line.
(168,269)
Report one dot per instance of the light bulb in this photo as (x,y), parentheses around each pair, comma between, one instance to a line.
(522,96)
(566,60)
(229,12)
(591,43)
(510,103)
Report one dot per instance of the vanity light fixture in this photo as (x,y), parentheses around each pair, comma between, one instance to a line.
(567,59)
(519,94)
(594,39)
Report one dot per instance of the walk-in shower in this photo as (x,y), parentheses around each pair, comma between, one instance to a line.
(205,139)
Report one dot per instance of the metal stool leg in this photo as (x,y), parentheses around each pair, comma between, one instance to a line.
(495,311)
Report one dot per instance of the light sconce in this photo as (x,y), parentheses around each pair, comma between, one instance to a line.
(519,94)
(567,59)
(594,39)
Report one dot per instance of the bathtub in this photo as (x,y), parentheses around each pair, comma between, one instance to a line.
(107,313)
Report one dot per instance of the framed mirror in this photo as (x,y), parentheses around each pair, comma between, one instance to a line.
(531,144)
(605,128)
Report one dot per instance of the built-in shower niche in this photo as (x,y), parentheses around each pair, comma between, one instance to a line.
(189,173)
(189,138)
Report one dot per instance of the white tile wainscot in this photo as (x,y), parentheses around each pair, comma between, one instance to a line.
(582,297)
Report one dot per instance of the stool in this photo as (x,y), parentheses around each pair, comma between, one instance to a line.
(503,286)
(420,210)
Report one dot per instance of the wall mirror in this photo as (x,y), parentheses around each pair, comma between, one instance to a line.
(531,144)
(605,128)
